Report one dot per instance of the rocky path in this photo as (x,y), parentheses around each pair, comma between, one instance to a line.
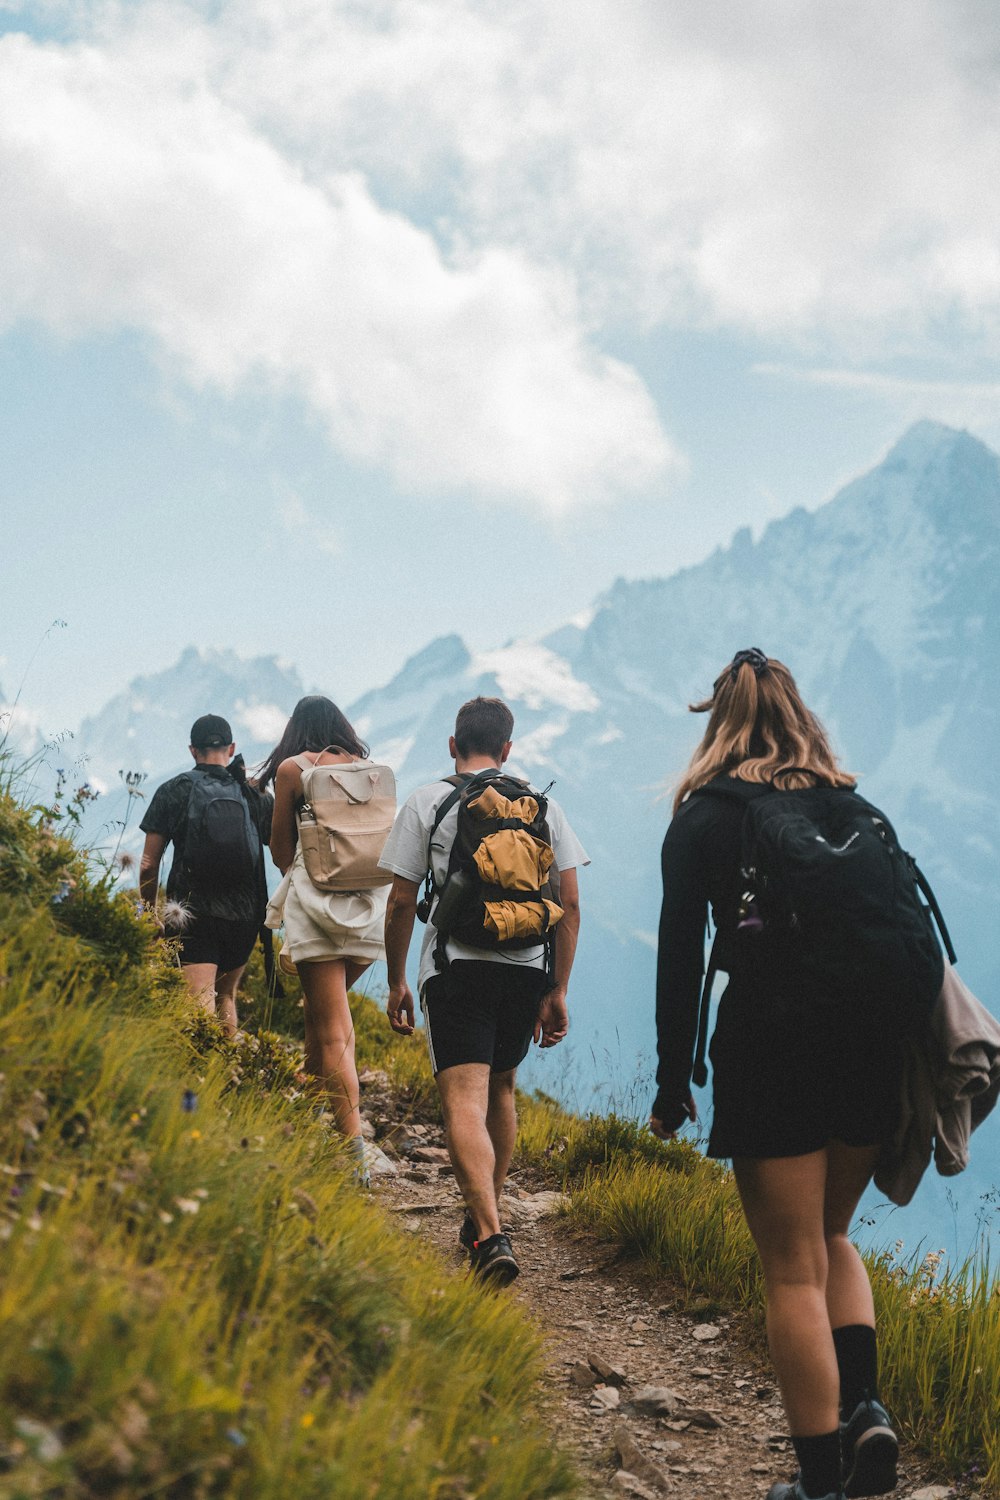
(648,1399)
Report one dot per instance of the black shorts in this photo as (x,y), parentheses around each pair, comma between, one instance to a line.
(787,1080)
(481,1012)
(214,940)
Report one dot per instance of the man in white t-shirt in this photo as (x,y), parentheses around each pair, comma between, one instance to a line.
(482,1012)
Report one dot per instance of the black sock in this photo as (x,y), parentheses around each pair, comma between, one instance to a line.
(857,1361)
(819,1464)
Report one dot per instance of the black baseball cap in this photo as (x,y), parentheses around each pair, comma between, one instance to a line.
(210,732)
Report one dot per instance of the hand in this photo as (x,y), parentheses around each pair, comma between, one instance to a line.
(399,1008)
(665,1122)
(553,1018)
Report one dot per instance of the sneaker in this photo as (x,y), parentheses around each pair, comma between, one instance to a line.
(871,1451)
(794,1491)
(493,1260)
(467,1233)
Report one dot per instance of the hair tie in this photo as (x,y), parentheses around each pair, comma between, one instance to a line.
(754,657)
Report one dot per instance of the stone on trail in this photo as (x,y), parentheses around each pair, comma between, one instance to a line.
(436,1154)
(706,1332)
(583,1376)
(605,1398)
(378,1164)
(932,1492)
(656,1401)
(630,1484)
(634,1461)
(698,1417)
(610,1374)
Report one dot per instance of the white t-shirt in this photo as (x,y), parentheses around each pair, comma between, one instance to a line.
(406,853)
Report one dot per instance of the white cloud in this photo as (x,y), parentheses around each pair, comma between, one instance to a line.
(137,195)
(959,403)
(426,215)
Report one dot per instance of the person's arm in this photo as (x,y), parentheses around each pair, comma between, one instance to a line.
(400,911)
(680,965)
(553,1016)
(284,830)
(149,868)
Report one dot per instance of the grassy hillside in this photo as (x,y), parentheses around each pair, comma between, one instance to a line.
(194,1299)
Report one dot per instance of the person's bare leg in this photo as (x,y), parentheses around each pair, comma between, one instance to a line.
(848,1290)
(200,980)
(225,994)
(465,1093)
(330,1039)
(783,1200)
(501,1125)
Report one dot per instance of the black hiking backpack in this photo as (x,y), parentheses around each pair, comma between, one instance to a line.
(830,897)
(221,840)
(501,860)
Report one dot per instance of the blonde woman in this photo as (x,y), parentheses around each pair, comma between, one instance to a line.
(803,1093)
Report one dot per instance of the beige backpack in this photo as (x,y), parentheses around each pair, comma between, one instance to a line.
(344,823)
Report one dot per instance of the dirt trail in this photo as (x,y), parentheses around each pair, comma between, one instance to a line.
(612,1333)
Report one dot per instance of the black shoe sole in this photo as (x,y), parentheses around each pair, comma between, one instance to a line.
(876,1455)
(499,1272)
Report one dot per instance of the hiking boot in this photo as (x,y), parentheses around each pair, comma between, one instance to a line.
(870,1449)
(493,1260)
(467,1233)
(794,1491)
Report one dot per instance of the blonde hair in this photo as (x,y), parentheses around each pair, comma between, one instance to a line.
(759,729)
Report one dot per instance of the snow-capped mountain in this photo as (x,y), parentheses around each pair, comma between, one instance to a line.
(884,602)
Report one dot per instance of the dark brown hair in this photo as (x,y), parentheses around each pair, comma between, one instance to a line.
(758,729)
(483,726)
(316,724)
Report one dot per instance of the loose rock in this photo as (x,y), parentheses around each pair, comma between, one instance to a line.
(634,1461)
(705,1333)
(656,1401)
(630,1484)
(605,1398)
(610,1374)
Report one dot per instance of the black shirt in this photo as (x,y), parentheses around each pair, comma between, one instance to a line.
(167,815)
(700,863)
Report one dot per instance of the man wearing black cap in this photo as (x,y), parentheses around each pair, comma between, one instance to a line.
(216,890)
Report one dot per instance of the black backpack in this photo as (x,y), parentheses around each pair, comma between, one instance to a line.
(221,840)
(831,899)
(465,898)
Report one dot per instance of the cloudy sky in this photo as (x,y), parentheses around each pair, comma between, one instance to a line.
(327,326)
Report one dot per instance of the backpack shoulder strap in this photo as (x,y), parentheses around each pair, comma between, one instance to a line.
(458,782)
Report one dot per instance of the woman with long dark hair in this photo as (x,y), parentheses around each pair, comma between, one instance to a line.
(331,936)
(803,1092)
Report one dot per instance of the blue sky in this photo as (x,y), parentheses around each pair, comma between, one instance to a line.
(306,311)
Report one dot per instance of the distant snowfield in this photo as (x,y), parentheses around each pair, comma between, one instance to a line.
(533,675)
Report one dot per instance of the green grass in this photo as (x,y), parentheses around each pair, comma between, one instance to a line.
(197,1302)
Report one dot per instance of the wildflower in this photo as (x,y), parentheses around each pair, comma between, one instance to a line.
(166,1218)
(133,1118)
(308,1418)
(133,781)
(196,1135)
(187,1205)
(126,861)
(176,916)
(236,1437)
(189,1101)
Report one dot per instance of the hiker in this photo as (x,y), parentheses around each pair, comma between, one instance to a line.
(216,889)
(493,974)
(808,1045)
(333,914)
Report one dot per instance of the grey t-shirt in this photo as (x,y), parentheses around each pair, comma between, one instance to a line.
(406,853)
